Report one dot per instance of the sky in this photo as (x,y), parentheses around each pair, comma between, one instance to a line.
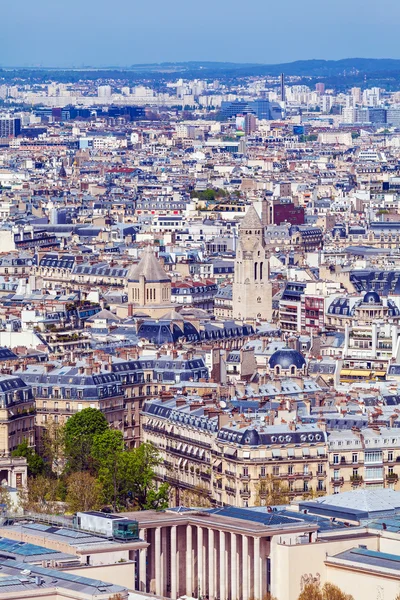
(59,33)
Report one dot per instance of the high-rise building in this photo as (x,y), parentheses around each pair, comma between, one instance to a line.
(320,88)
(283,92)
(9,126)
(252,289)
(250,123)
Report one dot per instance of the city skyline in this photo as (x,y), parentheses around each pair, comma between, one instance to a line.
(97,37)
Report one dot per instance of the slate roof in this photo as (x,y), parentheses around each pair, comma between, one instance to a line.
(149,267)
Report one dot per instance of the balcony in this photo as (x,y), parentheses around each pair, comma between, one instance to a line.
(392,478)
(356,480)
(245,493)
(230,490)
(337,481)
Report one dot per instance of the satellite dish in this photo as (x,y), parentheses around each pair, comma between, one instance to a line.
(277,249)
(222,404)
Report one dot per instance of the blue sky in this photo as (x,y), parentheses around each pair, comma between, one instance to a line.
(124,32)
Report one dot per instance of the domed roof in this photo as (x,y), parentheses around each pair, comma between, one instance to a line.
(371,298)
(286,358)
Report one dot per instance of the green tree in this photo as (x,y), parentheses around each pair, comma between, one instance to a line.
(36,465)
(80,431)
(107,452)
(83,492)
(138,468)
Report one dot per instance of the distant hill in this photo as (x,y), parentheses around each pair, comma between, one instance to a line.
(301,68)
(338,74)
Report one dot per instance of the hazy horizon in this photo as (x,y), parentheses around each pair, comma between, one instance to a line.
(43,33)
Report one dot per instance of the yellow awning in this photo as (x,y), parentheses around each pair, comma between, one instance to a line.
(355,373)
(379,373)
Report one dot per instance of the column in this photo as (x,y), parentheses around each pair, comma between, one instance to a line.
(222,571)
(211,590)
(245,567)
(200,575)
(234,569)
(157,559)
(142,564)
(257,594)
(173,563)
(189,582)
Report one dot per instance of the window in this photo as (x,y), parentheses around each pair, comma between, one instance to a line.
(390,456)
(290,470)
(246,471)
(374,456)
(373,473)
(320,469)
(262,473)
(336,474)
(355,457)
(275,471)
(336,459)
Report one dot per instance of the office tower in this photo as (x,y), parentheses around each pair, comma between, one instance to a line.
(9,126)
(249,124)
(283,94)
(320,88)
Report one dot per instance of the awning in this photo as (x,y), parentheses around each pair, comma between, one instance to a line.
(276,453)
(321,451)
(355,373)
(306,451)
(230,451)
(179,462)
(184,463)
(290,451)
(379,373)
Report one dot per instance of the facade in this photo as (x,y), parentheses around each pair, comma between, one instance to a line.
(215,458)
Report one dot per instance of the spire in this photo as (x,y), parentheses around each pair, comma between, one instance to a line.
(251,220)
(149,268)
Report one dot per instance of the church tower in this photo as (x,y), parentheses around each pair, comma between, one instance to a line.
(149,286)
(252,289)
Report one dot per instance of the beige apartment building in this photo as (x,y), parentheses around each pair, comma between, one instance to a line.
(214,457)
(367,458)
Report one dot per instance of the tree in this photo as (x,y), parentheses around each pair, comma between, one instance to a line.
(138,467)
(35,462)
(5,497)
(273,491)
(83,492)
(329,591)
(107,451)
(311,591)
(40,495)
(53,447)
(333,592)
(80,430)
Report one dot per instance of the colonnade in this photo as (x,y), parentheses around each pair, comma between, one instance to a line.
(200,561)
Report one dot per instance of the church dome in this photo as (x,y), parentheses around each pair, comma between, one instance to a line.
(371,298)
(286,358)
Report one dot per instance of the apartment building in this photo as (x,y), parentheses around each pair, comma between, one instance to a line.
(230,460)
(364,458)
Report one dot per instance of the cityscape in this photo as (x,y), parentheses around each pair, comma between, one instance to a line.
(199,308)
